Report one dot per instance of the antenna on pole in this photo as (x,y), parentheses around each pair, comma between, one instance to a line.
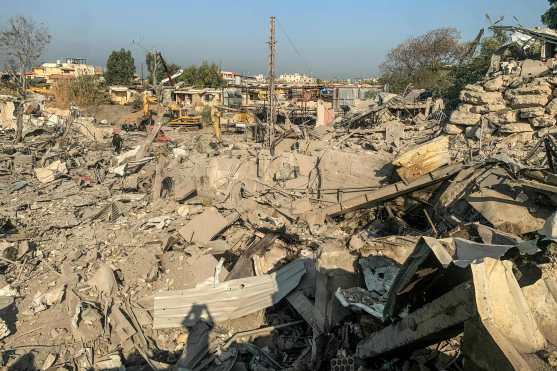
(271,112)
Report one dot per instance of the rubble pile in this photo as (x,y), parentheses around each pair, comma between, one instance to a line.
(508,112)
(391,123)
(371,246)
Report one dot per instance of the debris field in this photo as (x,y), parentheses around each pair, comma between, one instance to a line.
(398,238)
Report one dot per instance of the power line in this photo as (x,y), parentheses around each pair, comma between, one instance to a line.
(304,60)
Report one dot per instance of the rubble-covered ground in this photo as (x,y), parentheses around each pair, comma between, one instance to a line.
(383,243)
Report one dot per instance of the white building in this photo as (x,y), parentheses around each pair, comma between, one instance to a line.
(71,67)
(297,79)
(230,77)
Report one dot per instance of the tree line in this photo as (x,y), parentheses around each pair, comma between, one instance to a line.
(440,62)
(437,60)
(120,70)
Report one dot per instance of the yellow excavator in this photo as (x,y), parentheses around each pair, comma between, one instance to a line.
(44,90)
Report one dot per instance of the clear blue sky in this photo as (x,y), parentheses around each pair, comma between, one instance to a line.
(347,38)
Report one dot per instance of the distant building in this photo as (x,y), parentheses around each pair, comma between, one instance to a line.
(231,78)
(297,79)
(70,68)
(121,95)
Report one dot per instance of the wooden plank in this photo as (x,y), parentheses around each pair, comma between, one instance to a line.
(244,267)
(322,298)
(229,300)
(537,185)
(148,140)
(306,309)
(159,176)
(459,184)
(438,320)
(389,192)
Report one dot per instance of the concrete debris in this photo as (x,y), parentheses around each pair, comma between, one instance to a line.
(206,226)
(104,280)
(503,213)
(113,363)
(51,172)
(380,231)
(43,301)
(4,330)
(549,229)
(49,361)
(422,160)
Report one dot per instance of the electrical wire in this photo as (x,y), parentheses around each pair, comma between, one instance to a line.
(304,60)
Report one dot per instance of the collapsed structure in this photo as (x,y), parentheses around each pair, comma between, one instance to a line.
(387,236)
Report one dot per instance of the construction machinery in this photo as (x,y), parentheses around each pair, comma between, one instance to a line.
(181,117)
(44,90)
(185,119)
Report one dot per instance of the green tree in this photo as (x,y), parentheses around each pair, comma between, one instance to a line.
(423,61)
(205,76)
(549,18)
(475,68)
(120,67)
(161,73)
(22,42)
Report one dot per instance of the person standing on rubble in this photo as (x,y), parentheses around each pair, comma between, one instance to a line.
(117,141)
(215,120)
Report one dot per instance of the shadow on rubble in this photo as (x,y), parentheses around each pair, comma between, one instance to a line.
(23,363)
(387,172)
(305,326)
(323,333)
(199,324)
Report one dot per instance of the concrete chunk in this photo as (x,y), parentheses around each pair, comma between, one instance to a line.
(502,117)
(531,112)
(481,98)
(463,118)
(551,107)
(526,101)
(543,121)
(494,84)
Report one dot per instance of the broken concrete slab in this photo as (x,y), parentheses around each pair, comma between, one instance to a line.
(51,172)
(442,318)
(206,226)
(423,159)
(503,212)
(514,331)
(479,98)
(374,198)
(494,84)
(527,101)
(465,118)
(542,301)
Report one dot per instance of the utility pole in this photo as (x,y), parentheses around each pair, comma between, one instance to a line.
(155,58)
(271,111)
